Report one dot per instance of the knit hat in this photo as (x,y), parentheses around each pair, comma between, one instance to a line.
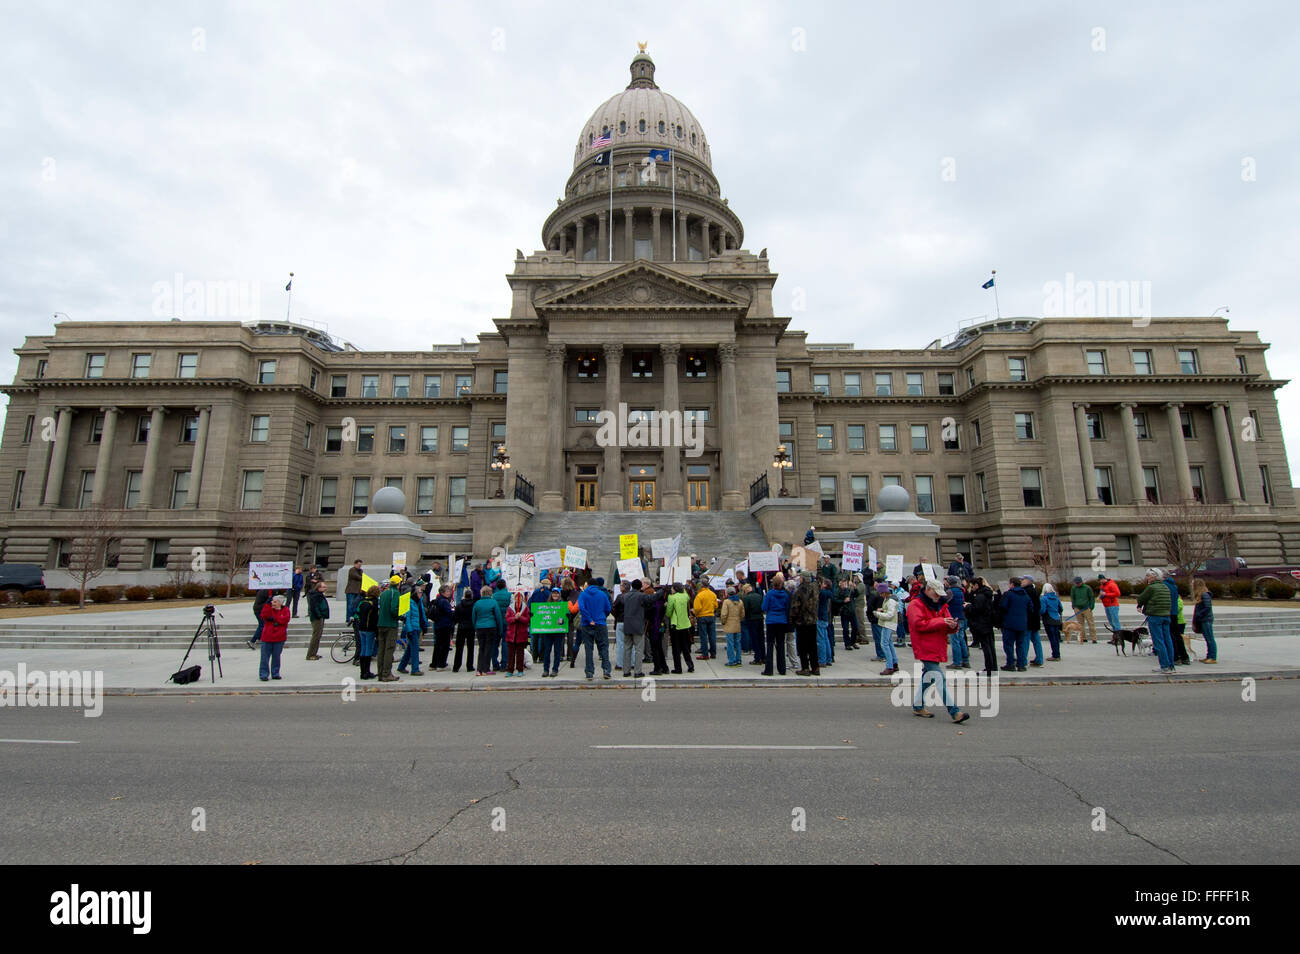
(599,581)
(1078,580)
(394,579)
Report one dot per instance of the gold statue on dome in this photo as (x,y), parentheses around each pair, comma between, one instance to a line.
(641,45)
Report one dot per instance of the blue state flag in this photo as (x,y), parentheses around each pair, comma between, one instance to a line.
(661,155)
(987,284)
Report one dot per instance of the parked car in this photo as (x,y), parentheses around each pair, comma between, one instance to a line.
(1230,568)
(20,578)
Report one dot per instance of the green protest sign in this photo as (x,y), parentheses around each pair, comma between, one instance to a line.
(549,618)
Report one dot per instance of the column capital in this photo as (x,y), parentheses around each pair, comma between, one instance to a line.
(727,352)
(64,409)
(600,216)
(1222,404)
(202,408)
(628,209)
(156,408)
(1131,405)
(110,409)
(670,351)
(1173,405)
(555,353)
(613,352)
(656,210)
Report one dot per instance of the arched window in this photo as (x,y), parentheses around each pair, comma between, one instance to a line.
(661,127)
(679,132)
(604,131)
(622,126)
(692,139)
(641,126)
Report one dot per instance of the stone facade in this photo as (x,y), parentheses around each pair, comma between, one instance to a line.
(1009,426)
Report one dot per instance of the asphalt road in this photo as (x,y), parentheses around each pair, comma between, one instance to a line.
(1186,774)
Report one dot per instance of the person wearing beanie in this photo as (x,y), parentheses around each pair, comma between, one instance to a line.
(931,625)
(886,613)
(733,615)
(1083,599)
(389,620)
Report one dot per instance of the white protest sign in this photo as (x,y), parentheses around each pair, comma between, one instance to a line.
(717,583)
(873,559)
(528,577)
(662,548)
(629,569)
(765,561)
(455,571)
(270,576)
(930,571)
(546,559)
(742,567)
(682,570)
(815,547)
(665,575)
(575,557)
(894,567)
(852,559)
(399,559)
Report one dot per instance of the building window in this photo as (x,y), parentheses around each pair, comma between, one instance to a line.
(251,499)
(642,364)
(1124,550)
(884,384)
(984,492)
(266,372)
(360,495)
(852,385)
(1096,432)
(822,384)
(15,502)
(307,430)
(782,380)
(333,440)
(187,365)
(860,488)
(585,415)
(338,385)
(329,492)
(97,428)
(424,487)
(370,385)
(28,427)
(785,432)
(397,439)
(500,382)
(827,490)
(1031,486)
(464,383)
(1024,426)
(1018,369)
(140,365)
(891,480)
(947,387)
(970,377)
(1253,415)
(1185,419)
(41,366)
(313,379)
(857,437)
(456,495)
(1187,361)
(158,552)
(302,492)
(915,383)
(62,554)
(133,478)
(696,367)
(498,438)
(1105,489)
(588,367)
(957,496)
(1140,426)
(94,365)
(401,385)
(699,414)
(260,428)
(920,437)
(433,385)
(979,436)
(637,414)
(180,489)
(1142,362)
(1096,361)
(189,429)
(826,437)
(428,439)
(394,482)
(1241,364)
(1198,483)
(1266,484)
(925,495)
(366,439)
(642,248)
(1151,483)
(459,439)
(951,436)
(321,554)
(888,437)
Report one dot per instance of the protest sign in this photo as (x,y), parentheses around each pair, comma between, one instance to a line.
(271,575)
(546,559)
(852,558)
(894,567)
(575,557)
(873,559)
(763,561)
(661,548)
(629,569)
(549,618)
(627,547)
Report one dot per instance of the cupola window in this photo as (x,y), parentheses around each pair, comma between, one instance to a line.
(641,126)
(679,132)
(692,139)
(622,127)
(661,127)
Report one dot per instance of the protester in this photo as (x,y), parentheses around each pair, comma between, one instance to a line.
(886,620)
(553,643)
(502,596)
(1082,601)
(464,630)
(517,617)
(275,629)
(413,627)
(825,641)
(1035,621)
(931,626)
(776,607)
(318,610)
(488,622)
(1203,619)
(638,606)
(733,620)
(296,589)
(803,616)
(858,605)
(389,619)
(957,609)
(444,622)
(752,600)
(1049,608)
(352,591)
(1110,603)
(366,616)
(1155,604)
(259,603)
(624,587)
(1014,605)
(594,609)
(656,631)
(961,568)
(677,619)
(979,619)
(705,608)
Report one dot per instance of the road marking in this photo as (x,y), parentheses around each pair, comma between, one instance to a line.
(42,741)
(797,748)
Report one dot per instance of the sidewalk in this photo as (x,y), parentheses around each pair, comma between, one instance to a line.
(146,670)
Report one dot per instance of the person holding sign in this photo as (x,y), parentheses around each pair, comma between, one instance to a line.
(275,618)
(517,617)
(389,620)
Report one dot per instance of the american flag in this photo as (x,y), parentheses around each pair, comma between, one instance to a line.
(601,141)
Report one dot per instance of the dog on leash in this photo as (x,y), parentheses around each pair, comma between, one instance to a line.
(1137,638)
(1072,630)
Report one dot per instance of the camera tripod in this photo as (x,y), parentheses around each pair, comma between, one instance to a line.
(208,628)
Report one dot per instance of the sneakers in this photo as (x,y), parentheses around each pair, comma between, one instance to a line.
(1211,662)
(607,675)
(312,658)
(960,717)
(923,713)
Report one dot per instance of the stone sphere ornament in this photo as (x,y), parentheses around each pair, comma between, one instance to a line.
(388,500)
(893,499)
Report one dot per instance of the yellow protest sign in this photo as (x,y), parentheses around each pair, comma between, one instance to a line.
(403,604)
(367,582)
(627,547)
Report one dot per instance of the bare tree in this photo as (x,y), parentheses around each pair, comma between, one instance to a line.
(1047,552)
(1187,531)
(99,528)
(249,530)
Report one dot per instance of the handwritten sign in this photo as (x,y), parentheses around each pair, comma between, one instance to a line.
(575,557)
(629,569)
(546,559)
(763,561)
(627,547)
(270,576)
(894,567)
(852,558)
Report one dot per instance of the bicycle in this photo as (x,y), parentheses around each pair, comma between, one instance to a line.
(344,649)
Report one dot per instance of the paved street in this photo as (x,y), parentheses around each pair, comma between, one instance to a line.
(1186,773)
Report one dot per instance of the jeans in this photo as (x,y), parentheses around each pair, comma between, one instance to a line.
(775,648)
(756,641)
(1112,616)
(707,629)
(352,600)
(270,664)
(1015,643)
(824,643)
(1054,637)
(1161,640)
(887,644)
(957,641)
(735,654)
(597,633)
(633,649)
(849,626)
(935,672)
(1211,649)
(553,654)
(412,653)
(618,643)
(1038,647)
(875,638)
(487,645)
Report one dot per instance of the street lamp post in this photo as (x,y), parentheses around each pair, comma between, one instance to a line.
(782,461)
(501,463)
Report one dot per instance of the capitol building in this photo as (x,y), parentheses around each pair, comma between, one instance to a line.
(644,297)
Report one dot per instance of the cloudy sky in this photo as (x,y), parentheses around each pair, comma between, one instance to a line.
(394,155)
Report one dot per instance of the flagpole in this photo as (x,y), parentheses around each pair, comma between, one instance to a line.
(672,159)
(289,304)
(995,294)
(610,232)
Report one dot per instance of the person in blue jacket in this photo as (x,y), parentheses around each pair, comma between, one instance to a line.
(1049,609)
(413,626)
(1015,626)
(776,607)
(957,640)
(594,608)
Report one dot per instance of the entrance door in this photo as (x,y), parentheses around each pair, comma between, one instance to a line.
(697,495)
(585,496)
(641,495)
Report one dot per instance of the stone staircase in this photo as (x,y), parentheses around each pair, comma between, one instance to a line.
(707,534)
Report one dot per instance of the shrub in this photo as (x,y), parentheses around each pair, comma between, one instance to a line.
(239,591)
(193,591)
(38,597)
(1218,589)
(70,597)
(137,594)
(1241,589)
(104,594)
(215,589)
(1063,588)
(1126,587)
(1277,590)
(164,591)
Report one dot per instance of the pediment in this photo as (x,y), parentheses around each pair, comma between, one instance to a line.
(639,286)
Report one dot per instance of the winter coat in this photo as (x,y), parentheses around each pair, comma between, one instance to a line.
(823,605)
(1154,600)
(1049,605)
(444,617)
(1204,613)
(979,612)
(1110,593)
(956,603)
(487,615)
(706,603)
(753,602)
(803,605)
(465,618)
(776,604)
(732,613)
(638,608)
(388,615)
(354,581)
(676,612)
(887,612)
(318,607)
(416,620)
(1035,614)
(367,616)
(1015,609)
(594,605)
(275,623)
(1082,597)
(927,622)
(517,623)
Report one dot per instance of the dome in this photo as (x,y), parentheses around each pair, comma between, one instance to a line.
(643,115)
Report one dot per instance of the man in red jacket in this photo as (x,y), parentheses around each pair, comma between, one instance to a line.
(930,624)
(275,629)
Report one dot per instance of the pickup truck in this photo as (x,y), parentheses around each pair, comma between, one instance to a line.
(19,578)
(1229,568)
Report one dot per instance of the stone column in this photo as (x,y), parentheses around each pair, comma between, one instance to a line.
(704,239)
(1181,470)
(1227,463)
(58,458)
(553,475)
(628,243)
(683,250)
(579,247)
(564,241)
(1247,451)
(728,428)
(1132,451)
(612,486)
(1085,454)
(105,459)
(196,462)
(671,495)
(602,236)
(656,245)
